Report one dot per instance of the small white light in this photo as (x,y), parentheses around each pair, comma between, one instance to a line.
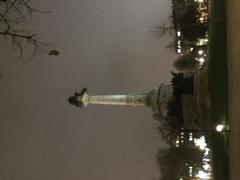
(179,51)
(219,128)
(179,33)
(200,52)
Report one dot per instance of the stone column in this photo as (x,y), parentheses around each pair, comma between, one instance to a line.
(156,99)
(131,100)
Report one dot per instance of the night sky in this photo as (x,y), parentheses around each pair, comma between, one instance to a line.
(107,46)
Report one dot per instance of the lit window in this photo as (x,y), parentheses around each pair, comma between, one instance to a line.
(190,170)
(179,33)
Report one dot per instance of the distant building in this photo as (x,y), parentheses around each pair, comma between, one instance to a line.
(180,8)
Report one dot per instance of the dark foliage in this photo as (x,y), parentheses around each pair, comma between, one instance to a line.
(186,62)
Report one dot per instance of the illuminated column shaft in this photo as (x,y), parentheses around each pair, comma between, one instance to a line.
(156,99)
(131,100)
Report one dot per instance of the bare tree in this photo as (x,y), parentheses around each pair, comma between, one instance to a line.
(14,16)
(164,30)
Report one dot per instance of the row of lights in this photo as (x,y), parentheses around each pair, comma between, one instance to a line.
(205,173)
(179,50)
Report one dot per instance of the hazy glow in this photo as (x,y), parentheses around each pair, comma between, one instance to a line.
(99,42)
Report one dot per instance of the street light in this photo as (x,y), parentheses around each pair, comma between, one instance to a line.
(222,128)
(219,128)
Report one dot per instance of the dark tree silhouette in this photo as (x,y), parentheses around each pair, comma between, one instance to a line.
(164,30)
(186,62)
(190,28)
(14,15)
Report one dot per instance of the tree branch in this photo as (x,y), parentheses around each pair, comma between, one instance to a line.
(18,35)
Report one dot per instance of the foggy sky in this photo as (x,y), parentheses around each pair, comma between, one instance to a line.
(108,46)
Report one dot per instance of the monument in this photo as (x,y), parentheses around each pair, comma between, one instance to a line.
(156,99)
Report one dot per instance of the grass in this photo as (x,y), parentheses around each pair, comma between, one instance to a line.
(218,85)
